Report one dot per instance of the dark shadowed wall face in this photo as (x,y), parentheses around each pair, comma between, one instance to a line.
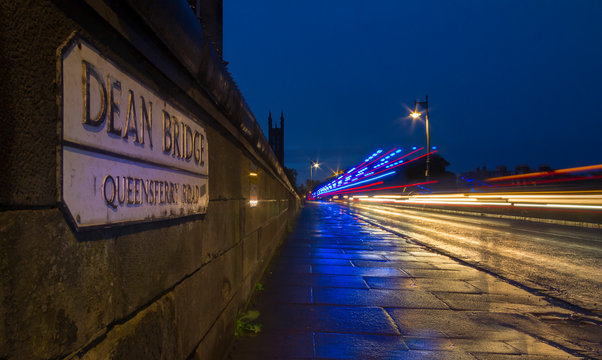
(164,287)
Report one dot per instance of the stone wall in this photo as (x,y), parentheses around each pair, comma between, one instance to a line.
(167,289)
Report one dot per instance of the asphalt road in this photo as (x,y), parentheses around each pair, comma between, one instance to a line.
(564,262)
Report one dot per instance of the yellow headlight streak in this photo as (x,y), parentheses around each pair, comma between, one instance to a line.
(428,230)
(556,200)
(564,206)
(547,173)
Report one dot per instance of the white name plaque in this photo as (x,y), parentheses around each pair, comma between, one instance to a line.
(128,155)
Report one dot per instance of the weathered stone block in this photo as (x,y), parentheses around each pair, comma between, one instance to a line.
(148,262)
(60,291)
(201,298)
(219,338)
(223,221)
(250,253)
(28,131)
(150,334)
(228,168)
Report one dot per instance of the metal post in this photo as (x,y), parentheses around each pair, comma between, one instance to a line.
(415,115)
(428,141)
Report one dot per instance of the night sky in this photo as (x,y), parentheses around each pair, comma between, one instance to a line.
(509,82)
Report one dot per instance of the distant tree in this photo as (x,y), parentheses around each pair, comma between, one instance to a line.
(312,185)
(523,169)
(545,167)
(304,189)
(292,177)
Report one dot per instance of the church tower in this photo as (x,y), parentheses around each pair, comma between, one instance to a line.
(276,137)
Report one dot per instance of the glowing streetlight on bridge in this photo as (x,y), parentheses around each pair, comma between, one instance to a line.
(415,115)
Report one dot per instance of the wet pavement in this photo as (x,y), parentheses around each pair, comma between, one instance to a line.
(341,288)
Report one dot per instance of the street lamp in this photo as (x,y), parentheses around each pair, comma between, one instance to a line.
(416,115)
(312,165)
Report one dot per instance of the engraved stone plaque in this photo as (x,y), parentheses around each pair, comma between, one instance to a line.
(128,154)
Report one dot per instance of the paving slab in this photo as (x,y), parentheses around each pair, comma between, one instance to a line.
(410,264)
(379,297)
(294,318)
(319,261)
(341,288)
(356,346)
(319,280)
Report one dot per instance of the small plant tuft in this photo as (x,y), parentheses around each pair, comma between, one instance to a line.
(259,287)
(246,325)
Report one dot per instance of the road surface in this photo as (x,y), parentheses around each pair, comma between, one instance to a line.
(564,262)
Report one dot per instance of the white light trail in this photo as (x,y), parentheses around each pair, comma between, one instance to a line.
(580,201)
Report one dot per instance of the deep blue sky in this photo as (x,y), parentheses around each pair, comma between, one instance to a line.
(509,81)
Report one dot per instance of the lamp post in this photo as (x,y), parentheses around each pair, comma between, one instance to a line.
(312,165)
(416,115)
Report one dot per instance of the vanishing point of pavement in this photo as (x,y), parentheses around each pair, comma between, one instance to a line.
(344,287)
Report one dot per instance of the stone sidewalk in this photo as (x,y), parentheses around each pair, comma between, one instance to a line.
(341,288)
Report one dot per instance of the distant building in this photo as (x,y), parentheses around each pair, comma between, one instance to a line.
(276,137)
